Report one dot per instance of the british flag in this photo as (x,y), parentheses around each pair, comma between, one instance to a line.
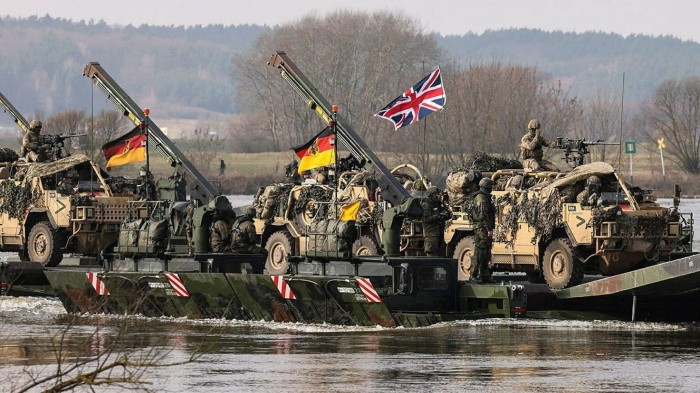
(424,98)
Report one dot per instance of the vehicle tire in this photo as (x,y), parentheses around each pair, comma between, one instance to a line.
(464,254)
(279,245)
(560,266)
(364,246)
(305,218)
(43,245)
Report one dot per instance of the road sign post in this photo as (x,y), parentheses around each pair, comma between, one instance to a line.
(631,149)
(662,146)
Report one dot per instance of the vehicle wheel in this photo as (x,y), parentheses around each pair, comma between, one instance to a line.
(43,245)
(279,245)
(464,254)
(306,217)
(365,245)
(560,267)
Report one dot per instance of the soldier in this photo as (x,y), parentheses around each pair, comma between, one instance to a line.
(68,184)
(483,217)
(434,216)
(291,172)
(33,149)
(244,239)
(531,153)
(146,186)
(589,196)
(220,235)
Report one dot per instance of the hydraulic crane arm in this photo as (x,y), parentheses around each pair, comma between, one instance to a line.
(14,113)
(201,189)
(392,190)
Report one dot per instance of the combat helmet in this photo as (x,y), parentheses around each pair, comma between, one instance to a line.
(593,180)
(534,124)
(35,125)
(486,184)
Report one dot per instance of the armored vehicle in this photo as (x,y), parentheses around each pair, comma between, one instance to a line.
(64,206)
(544,230)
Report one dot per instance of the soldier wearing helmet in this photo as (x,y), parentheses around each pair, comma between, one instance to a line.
(33,147)
(589,196)
(483,218)
(433,219)
(531,153)
(244,239)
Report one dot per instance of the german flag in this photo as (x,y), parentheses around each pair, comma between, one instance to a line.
(318,152)
(130,147)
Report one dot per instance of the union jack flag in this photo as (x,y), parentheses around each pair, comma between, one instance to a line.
(424,98)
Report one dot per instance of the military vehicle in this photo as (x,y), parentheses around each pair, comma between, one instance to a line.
(366,179)
(51,208)
(153,271)
(543,231)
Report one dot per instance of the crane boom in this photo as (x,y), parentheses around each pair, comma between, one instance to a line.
(201,189)
(392,190)
(14,113)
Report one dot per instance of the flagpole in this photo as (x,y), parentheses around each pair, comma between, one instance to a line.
(147,112)
(334,116)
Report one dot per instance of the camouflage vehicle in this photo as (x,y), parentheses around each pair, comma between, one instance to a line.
(287,211)
(64,206)
(542,230)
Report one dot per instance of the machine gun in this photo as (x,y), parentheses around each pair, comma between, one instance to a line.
(576,149)
(56,151)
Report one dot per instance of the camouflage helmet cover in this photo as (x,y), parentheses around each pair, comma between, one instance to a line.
(593,180)
(486,183)
(35,125)
(534,124)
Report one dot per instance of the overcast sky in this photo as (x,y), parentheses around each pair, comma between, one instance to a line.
(678,18)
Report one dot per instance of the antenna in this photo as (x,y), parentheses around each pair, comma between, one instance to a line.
(622,109)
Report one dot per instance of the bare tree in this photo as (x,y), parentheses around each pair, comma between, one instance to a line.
(109,356)
(108,125)
(359,61)
(673,112)
(65,122)
(601,121)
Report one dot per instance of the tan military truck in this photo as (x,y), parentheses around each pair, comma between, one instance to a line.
(64,206)
(543,231)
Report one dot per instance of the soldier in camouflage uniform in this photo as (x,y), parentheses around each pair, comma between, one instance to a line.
(244,239)
(68,184)
(33,149)
(483,217)
(531,153)
(434,216)
(589,196)
(220,235)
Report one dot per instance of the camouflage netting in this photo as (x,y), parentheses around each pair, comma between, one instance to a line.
(629,225)
(483,162)
(270,198)
(16,199)
(459,188)
(8,155)
(543,215)
(51,168)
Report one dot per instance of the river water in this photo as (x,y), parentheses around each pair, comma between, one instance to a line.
(494,355)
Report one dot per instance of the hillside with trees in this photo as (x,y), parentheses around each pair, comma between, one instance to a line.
(217,77)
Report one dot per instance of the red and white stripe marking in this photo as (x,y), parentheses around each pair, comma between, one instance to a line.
(97,284)
(177,284)
(283,287)
(368,290)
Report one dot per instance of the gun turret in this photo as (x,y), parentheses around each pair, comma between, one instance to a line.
(56,151)
(576,149)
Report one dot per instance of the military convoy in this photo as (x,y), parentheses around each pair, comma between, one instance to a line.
(153,257)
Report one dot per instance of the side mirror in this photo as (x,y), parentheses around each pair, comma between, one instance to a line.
(676,195)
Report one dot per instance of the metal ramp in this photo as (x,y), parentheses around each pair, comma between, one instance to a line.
(674,278)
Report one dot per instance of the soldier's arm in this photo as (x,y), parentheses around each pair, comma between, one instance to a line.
(429,216)
(28,143)
(527,143)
